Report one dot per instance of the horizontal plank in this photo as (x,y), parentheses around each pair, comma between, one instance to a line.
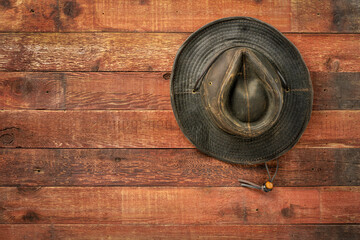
(121,90)
(332,129)
(119,231)
(171,167)
(226,206)
(174,16)
(334,16)
(336,91)
(90,129)
(139,90)
(145,129)
(150,51)
(32,90)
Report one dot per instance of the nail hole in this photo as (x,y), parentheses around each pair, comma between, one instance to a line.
(287,89)
(210,83)
(325,89)
(32,10)
(318,14)
(257,210)
(37,170)
(312,169)
(117,159)
(193,91)
(47,91)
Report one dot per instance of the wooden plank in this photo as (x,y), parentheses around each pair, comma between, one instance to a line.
(322,56)
(117,231)
(171,167)
(150,51)
(28,15)
(33,90)
(145,129)
(173,16)
(139,90)
(183,206)
(90,129)
(342,205)
(336,91)
(131,16)
(121,90)
(333,16)
(332,129)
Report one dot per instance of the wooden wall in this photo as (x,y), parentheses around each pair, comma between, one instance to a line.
(89,146)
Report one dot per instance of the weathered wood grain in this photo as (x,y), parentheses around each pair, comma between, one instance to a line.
(337,126)
(341,204)
(52,193)
(171,167)
(332,15)
(227,206)
(139,90)
(33,90)
(120,231)
(28,15)
(149,51)
(90,129)
(336,91)
(121,90)
(173,16)
(145,129)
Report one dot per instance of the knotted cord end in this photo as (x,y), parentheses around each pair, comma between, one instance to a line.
(267,186)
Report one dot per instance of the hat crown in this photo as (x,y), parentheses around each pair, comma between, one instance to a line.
(242,92)
(247,100)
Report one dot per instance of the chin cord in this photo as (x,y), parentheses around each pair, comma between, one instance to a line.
(267,186)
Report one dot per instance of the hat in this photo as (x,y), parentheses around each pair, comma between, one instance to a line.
(240,91)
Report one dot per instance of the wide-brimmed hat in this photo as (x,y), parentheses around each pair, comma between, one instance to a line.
(240,91)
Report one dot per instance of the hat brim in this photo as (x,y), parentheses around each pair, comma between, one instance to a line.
(194,57)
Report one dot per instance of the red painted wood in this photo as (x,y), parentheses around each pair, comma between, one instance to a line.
(117,231)
(145,129)
(150,51)
(165,16)
(182,206)
(172,167)
(139,90)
